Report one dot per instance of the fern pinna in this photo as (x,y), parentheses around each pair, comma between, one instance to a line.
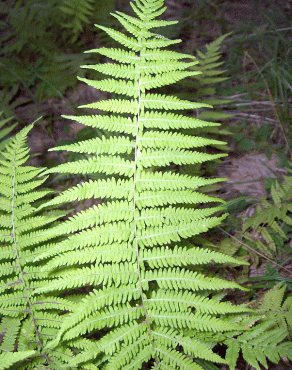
(147,307)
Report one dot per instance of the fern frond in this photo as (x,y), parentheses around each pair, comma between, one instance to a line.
(270,338)
(145,292)
(180,256)
(110,123)
(186,301)
(269,218)
(162,139)
(179,279)
(157,101)
(113,86)
(277,309)
(28,321)
(264,343)
(106,164)
(208,63)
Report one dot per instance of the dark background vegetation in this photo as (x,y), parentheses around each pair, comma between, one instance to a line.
(42,45)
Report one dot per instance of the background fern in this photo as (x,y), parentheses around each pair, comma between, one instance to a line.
(265,233)
(272,219)
(202,88)
(79,11)
(36,64)
(270,338)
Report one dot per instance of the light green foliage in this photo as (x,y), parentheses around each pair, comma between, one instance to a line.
(270,338)
(146,294)
(28,321)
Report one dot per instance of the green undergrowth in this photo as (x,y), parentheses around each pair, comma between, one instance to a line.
(33,59)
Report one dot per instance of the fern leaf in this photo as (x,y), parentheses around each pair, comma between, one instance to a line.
(171,338)
(162,139)
(24,232)
(172,181)
(129,42)
(115,70)
(180,256)
(182,279)
(119,55)
(167,357)
(115,106)
(145,293)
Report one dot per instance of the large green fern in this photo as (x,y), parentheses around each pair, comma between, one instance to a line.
(147,305)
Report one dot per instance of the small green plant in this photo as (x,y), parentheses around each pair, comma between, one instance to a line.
(202,88)
(204,85)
